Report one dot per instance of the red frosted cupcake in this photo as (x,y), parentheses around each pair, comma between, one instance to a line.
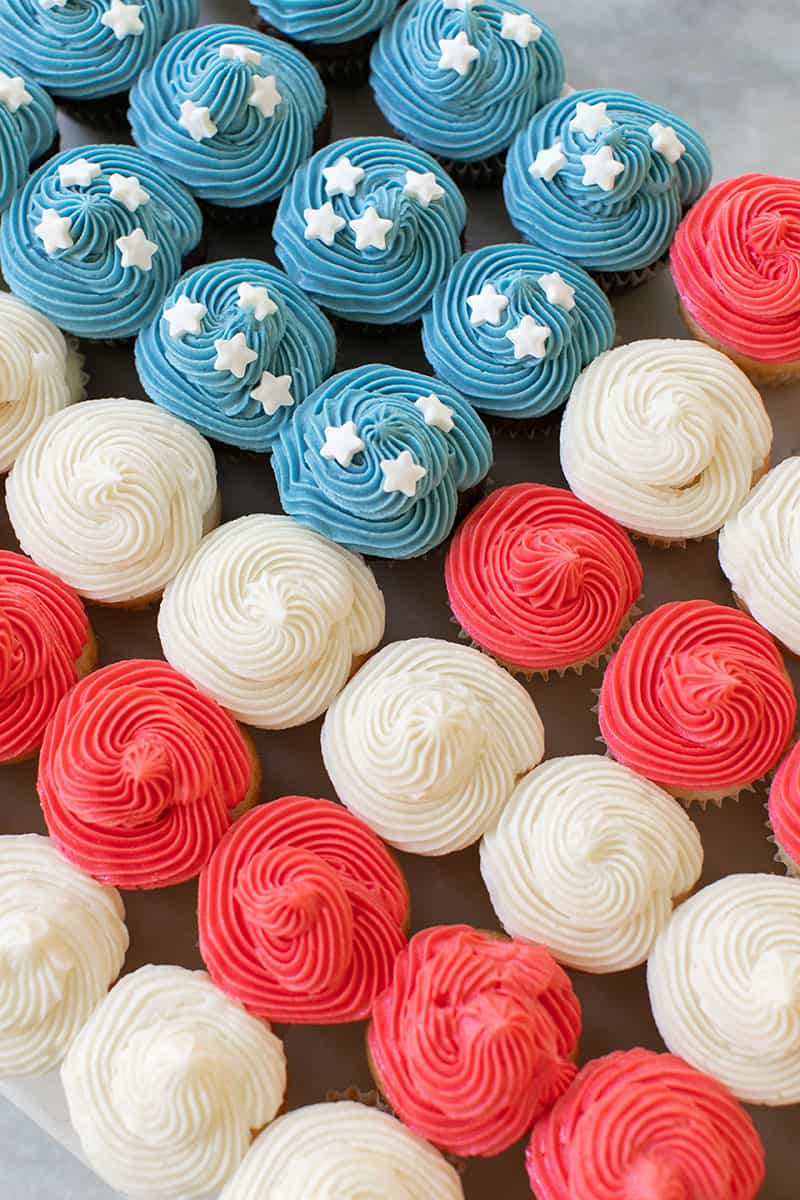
(541,580)
(474,1038)
(697,699)
(46,646)
(642,1126)
(140,774)
(302,913)
(784,810)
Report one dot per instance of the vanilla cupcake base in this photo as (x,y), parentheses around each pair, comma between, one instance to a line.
(771,373)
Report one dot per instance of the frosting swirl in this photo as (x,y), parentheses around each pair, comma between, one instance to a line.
(427,741)
(27,126)
(329,22)
(784,809)
(62,944)
(603,178)
(369,227)
(168,1082)
(539,579)
(724,982)
(471,1042)
(301,913)
(642,1126)
(113,496)
(269,618)
(666,436)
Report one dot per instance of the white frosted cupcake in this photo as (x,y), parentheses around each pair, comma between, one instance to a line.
(62,944)
(427,741)
(589,859)
(168,1083)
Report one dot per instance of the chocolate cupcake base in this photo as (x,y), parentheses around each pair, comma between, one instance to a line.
(342,64)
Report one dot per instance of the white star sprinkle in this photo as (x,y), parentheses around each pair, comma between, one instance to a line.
(458,54)
(601,169)
(185,316)
(342,178)
(548,162)
(487,306)
(264,95)
(436,414)
(342,443)
(402,474)
(274,392)
(123,19)
(558,291)
(78,173)
(136,250)
(461,5)
(666,141)
(241,53)
(423,186)
(520,28)
(256,298)
(52,3)
(371,229)
(589,119)
(54,230)
(128,191)
(322,224)
(529,339)
(234,355)
(196,120)
(13,92)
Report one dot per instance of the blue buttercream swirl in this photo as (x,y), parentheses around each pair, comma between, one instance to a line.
(349,503)
(466,117)
(178,372)
(632,225)
(69,51)
(27,130)
(327,21)
(380,287)
(252,156)
(84,288)
(479,359)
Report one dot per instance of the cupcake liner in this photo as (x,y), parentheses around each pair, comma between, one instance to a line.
(780,855)
(105,112)
(343,64)
(625,281)
(485,173)
(528,427)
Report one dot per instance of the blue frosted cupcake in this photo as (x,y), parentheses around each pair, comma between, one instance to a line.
(95,240)
(231,114)
(369,227)
(460,79)
(335,34)
(603,178)
(28,130)
(376,458)
(236,346)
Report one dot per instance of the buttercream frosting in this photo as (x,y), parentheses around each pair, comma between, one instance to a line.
(328,22)
(27,125)
(784,810)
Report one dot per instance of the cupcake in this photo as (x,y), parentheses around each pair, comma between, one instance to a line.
(725,988)
(231,114)
(96,238)
(113,496)
(271,620)
(168,1083)
(665,436)
(589,859)
(735,261)
(335,34)
(460,79)
(235,347)
(645,1126)
(541,580)
(784,810)
(369,227)
(46,646)
(28,130)
(512,327)
(302,913)
(62,944)
(697,699)
(427,742)
(603,178)
(474,1039)
(377,458)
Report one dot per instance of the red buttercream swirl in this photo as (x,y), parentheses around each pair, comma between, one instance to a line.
(540,579)
(697,698)
(736,264)
(138,773)
(301,913)
(784,805)
(636,1125)
(43,633)
(471,1041)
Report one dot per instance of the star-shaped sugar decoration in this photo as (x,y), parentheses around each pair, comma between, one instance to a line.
(402,474)
(423,186)
(13,93)
(234,355)
(601,169)
(273,392)
(78,173)
(589,119)
(123,19)
(54,231)
(558,291)
(241,53)
(461,5)
(342,443)
(264,95)
(322,224)
(487,306)
(371,229)
(548,162)
(666,141)
(47,4)
(436,414)
(128,191)
(342,178)
(185,316)
(256,298)
(529,338)
(458,54)
(196,120)
(137,250)
(520,28)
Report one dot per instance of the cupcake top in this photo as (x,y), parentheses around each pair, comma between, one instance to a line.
(665,435)
(168,1082)
(328,22)
(513,326)
(697,698)
(539,579)
(589,858)
(472,1041)
(427,741)
(268,617)
(62,944)
(229,112)
(301,913)
(27,125)
(95,239)
(638,1124)
(724,982)
(113,496)
(784,809)
(603,178)
(376,457)
(459,79)
(369,226)
(235,347)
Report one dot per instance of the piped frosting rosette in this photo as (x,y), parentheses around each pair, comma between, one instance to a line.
(27,124)
(697,699)
(168,1083)
(666,436)
(642,1126)
(62,944)
(724,982)
(301,913)
(473,1039)
(784,810)
(328,22)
